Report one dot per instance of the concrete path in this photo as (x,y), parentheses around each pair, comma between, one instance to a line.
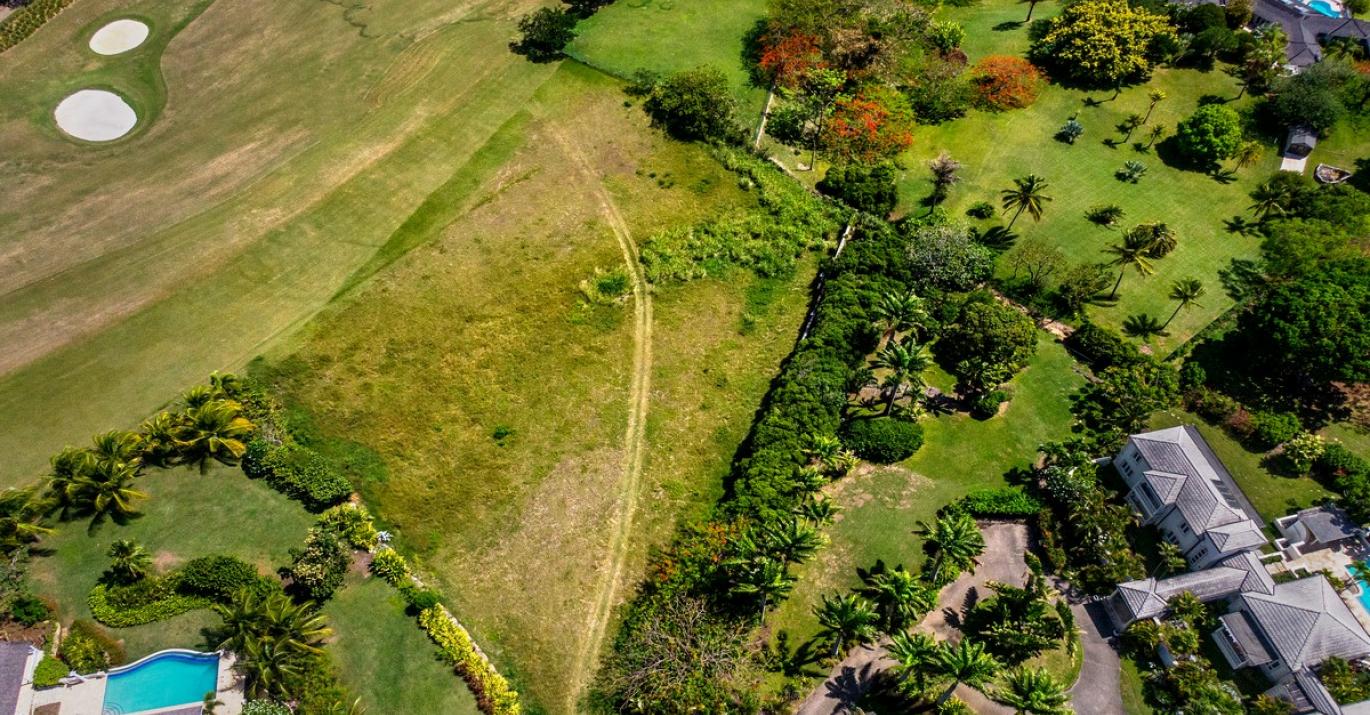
(1099,689)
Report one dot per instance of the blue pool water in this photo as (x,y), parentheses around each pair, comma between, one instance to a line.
(161,681)
(1364,595)
(1324,7)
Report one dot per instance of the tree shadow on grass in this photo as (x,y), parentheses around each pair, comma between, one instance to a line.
(1008,25)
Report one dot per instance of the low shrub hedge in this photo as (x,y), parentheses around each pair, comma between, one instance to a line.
(1271,429)
(884,440)
(216,577)
(1101,347)
(493,693)
(49,672)
(1007,502)
(390,565)
(299,473)
(26,20)
(119,608)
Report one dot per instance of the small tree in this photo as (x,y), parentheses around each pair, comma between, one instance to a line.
(863,187)
(1005,82)
(872,125)
(1212,133)
(1027,195)
(694,105)
(545,33)
(129,562)
(1103,43)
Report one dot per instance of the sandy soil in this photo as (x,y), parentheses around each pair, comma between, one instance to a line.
(95,115)
(118,37)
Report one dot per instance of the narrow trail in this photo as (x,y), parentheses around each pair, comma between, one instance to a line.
(634,436)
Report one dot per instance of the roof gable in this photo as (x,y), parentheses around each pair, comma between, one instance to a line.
(1307,622)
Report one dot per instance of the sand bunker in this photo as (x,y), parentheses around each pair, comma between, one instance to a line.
(118,36)
(95,115)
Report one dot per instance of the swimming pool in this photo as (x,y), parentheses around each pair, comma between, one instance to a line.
(1324,7)
(161,680)
(1364,595)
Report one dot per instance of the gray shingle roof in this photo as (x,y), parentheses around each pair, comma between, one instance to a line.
(1148,597)
(14,659)
(1184,471)
(1328,524)
(1249,642)
(1258,579)
(1307,622)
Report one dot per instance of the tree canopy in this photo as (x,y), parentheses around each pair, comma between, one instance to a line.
(1102,43)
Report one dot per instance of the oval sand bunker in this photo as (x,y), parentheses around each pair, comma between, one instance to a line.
(95,115)
(118,36)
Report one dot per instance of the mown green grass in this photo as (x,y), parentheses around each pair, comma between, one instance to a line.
(1134,695)
(391,664)
(882,506)
(672,35)
(1272,494)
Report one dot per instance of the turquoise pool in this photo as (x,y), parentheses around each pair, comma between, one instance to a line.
(1364,595)
(1324,7)
(160,681)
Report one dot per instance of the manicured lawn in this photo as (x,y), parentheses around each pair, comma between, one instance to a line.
(187,515)
(672,35)
(1134,701)
(1354,438)
(1273,495)
(882,505)
(516,531)
(390,663)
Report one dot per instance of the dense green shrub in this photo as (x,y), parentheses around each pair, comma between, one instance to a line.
(544,33)
(302,474)
(317,570)
(981,210)
(265,707)
(1006,502)
(87,648)
(420,599)
(862,187)
(1209,135)
(883,441)
(948,257)
(987,345)
(492,691)
(390,565)
(49,672)
(254,462)
(694,105)
(987,405)
(352,523)
(1212,405)
(216,577)
(1100,347)
(1271,429)
(26,20)
(29,610)
(147,601)
(1337,461)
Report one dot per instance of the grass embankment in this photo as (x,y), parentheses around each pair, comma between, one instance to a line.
(135,268)
(499,402)
(881,506)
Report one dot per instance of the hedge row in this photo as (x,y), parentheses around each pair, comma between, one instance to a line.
(26,20)
(493,693)
(169,605)
(1100,347)
(1003,503)
(297,472)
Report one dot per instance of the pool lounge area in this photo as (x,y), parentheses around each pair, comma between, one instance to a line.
(169,682)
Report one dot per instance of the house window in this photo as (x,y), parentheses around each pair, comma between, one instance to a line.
(1151,497)
(1127,469)
(1200,553)
(1184,526)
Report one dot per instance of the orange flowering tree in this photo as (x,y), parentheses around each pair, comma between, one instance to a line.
(787,58)
(1005,82)
(873,124)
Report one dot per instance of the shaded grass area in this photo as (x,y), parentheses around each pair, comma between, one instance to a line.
(382,653)
(514,529)
(1134,698)
(1272,494)
(672,35)
(882,505)
(187,515)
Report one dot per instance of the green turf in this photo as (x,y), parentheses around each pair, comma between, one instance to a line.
(672,35)
(187,515)
(1273,495)
(389,662)
(1356,439)
(882,506)
(1134,698)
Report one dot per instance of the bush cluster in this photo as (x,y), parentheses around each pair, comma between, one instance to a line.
(146,601)
(391,566)
(493,692)
(217,577)
(49,672)
(883,441)
(27,19)
(1271,429)
(297,472)
(1100,347)
(1003,503)
(317,570)
(352,523)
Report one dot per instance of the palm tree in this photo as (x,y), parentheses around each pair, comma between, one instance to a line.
(215,430)
(118,447)
(1131,124)
(1026,195)
(966,662)
(1142,326)
(251,616)
(906,361)
(1160,239)
(1154,135)
(68,467)
(1270,199)
(1187,292)
(913,653)
(817,510)
(1156,96)
(1131,252)
(105,491)
(199,396)
(1171,558)
(899,312)
(226,385)
(899,597)
(270,669)
(766,579)
(943,170)
(21,518)
(793,540)
(845,620)
(1032,691)
(162,439)
(952,540)
(1249,153)
(129,561)
(1032,5)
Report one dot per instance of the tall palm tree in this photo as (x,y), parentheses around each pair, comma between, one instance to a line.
(1142,326)
(1131,124)
(898,312)
(162,439)
(845,621)
(899,597)
(118,447)
(21,517)
(1187,292)
(966,662)
(105,491)
(952,540)
(1026,195)
(906,361)
(1131,252)
(1271,199)
(1156,96)
(1160,238)
(914,654)
(766,579)
(1032,5)
(270,668)
(1032,691)
(215,431)
(1154,135)
(129,561)
(68,467)
(793,540)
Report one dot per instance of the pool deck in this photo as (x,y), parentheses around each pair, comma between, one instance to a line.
(86,695)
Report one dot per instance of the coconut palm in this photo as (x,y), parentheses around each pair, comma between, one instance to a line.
(943,170)
(1026,195)
(68,467)
(1160,239)
(766,579)
(913,654)
(966,662)
(215,431)
(21,518)
(1154,135)
(1131,124)
(1156,96)
(1249,153)
(118,447)
(898,595)
(953,540)
(128,561)
(1032,691)
(225,385)
(1142,326)
(162,439)
(906,361)
(793,540)
(1271,199)
(105,491)
(898,312)
(1187,292)
(845,621)
(1032,5)
(270,669)
(199,396)
(253,616)
(1133,251)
